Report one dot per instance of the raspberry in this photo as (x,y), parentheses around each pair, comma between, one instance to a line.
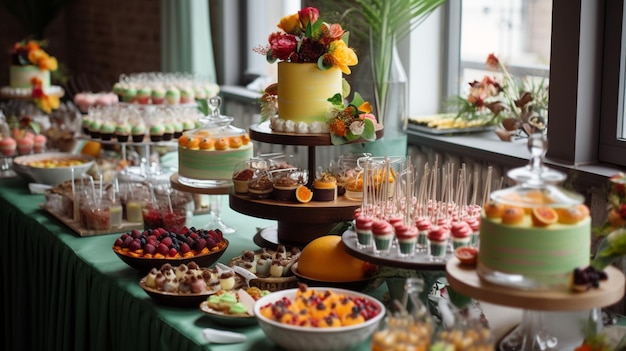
(118,242)
(184,248)
(149,249)
(167,241)
(162,249)
(201,244)
(172,252)
(135,245)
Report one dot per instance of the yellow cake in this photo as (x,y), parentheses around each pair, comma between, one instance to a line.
(304,90)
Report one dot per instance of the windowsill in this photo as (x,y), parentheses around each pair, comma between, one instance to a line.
(485,146)
(488,147)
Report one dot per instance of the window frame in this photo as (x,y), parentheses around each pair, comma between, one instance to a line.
(610,149)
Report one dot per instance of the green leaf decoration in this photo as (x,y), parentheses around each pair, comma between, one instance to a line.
(337,140)
(203,106)
(357,100)
(269,57)
(345,87)
(336,100)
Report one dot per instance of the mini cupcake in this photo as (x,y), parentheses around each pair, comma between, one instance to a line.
(138,131)
(85,124)
(277,268)
(157,95)
(94,129)
(39,143)
(156,132)
(122,131)
(172,96)
(107,129)
(407,239)
(24,145)
(187,95)
(188,124)
(143,95)
(168,131)
(461,234)
(325,188)
(260,187)
(285,188)
(178,128)
(130,93)
(438,241)
(383,235)
(118,90)
(241,179)
(8,146)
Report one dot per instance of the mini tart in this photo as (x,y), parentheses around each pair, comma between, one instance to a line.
(260,188)
(285,189)
(325,188)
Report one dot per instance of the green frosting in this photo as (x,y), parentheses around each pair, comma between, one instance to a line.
(238,308)
(138,129)
(228,298)
(213,299)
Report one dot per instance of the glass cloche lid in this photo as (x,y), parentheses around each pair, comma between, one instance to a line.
(536,184)
(216,123)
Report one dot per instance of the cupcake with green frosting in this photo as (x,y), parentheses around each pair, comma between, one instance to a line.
(172,96)
(138,132)
(107,129)
(156,132)
(122,132)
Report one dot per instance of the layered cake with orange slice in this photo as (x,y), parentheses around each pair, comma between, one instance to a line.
(534,234)
(211,152)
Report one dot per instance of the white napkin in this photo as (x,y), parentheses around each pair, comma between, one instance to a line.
(222,337)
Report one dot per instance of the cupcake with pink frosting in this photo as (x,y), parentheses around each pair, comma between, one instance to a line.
(474,223)
(39,143)
(8,146)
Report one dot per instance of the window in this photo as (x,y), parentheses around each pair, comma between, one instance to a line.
(612,145)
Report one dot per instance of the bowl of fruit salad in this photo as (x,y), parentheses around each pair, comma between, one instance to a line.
(52,168)
(145,249)
(319,318)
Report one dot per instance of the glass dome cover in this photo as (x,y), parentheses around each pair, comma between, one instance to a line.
(536,184)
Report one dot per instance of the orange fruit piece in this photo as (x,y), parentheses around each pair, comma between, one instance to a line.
(493,210)
(512,215)
(206,143)
(303,194)
(235,142)
(572,215)
(544,216)
(91,148)
(327,259)
(467,255)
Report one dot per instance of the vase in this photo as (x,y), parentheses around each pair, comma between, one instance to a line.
(391,99)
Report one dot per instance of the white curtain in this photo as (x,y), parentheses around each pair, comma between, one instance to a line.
(186,38)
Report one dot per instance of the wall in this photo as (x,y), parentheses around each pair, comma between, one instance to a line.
(97,38)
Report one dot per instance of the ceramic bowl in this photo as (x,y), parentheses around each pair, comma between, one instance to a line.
(293,337)
(47,168)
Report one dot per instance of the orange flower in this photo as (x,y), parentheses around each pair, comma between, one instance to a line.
(341,56)
(366,107)
(290,23)
(32,45)
(338,127)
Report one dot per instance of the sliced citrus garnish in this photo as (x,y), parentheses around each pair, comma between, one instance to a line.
(512,215)
(466,254)
(543,216)
(303,194)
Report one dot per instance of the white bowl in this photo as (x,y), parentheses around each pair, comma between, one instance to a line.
(292,337)
(51,176)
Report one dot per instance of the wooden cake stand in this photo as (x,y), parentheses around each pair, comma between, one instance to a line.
(531,334)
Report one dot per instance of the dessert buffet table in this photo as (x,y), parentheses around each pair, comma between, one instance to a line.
(61,291)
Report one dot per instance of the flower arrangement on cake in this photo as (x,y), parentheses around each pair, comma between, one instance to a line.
(30,69)
(305,38)
(315,53)
(352,121)
(31,53)
(514,105)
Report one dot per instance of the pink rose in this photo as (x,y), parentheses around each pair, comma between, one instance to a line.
(282,45)
(370,117)
(308,15)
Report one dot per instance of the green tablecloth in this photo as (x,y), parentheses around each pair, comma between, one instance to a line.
(61,291)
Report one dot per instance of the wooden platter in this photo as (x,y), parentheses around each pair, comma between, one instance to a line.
(466,280)
(82,231)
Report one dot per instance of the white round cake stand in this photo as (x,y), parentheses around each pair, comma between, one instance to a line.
(532,334)
(216,191)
